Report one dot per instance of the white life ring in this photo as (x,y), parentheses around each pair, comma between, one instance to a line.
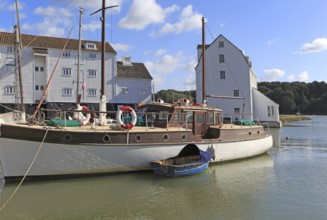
(119,118)
(84,119)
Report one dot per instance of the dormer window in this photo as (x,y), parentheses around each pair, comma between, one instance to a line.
(90,46)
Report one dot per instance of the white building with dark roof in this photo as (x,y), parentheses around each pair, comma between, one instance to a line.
(231,84)
(38,59)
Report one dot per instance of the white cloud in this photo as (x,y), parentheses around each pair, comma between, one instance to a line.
(55,22)
(188,21)
(189,82)
(92,5)
(160,52)
(272,74)
(300,77)
(318,45)
(190,66)
(167,64)
(143,13)
(121,47)
(12,6)
(92,26)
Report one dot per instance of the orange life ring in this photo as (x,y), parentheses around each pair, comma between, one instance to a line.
(119,118)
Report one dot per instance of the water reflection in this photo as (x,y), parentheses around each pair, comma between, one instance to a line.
(222,189)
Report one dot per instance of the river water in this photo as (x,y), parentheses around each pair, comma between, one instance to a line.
(289,182)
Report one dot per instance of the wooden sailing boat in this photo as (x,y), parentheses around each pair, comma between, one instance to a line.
(129,143)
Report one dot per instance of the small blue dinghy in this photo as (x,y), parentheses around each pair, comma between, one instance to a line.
(190,160)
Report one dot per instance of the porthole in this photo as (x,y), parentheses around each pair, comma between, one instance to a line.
(67,138)
(183,137)
(106,138)
(138,138)
(165,137)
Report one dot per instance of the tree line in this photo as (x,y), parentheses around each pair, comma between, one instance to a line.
(292,97)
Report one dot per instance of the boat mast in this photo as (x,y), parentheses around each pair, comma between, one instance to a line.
(18,52)
(203,64)
(103,103)
(79,53)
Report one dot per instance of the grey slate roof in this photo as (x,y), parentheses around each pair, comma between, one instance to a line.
(51,42)
(136,70)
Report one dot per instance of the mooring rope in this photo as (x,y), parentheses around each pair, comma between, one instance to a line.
(28,170)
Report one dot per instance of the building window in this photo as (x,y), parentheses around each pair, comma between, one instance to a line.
(66,72)
(66,54)
(36,69)
(41,88)
(269,111)
(67,91)
(90,46)
(221,44)
(92,92)
(41,68)
(236,111)
(272,111)
(92,55)
(221,58)
(10,49)
(236,92)
(142,91)
(10,67)
(92,73)
(36,87)
(124,90)
(222,75)
(10,90)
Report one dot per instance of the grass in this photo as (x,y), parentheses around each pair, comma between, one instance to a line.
(289,118)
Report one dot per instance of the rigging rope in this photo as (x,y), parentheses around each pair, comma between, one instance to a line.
(28,170)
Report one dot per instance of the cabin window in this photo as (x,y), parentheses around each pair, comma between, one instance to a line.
(221,44)
(124,90)
(10,49)
(199,119)
(66,72)
(221,58)
(92,92)
(66,54)
(92,73)
(92,55)
(236,92)
(67,91)
(236,111)
(10,90)
(210,118)
(222,75)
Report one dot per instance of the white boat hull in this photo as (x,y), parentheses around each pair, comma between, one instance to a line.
(60,159)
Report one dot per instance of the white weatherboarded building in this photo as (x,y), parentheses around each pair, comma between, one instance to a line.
(39,57)
(229,74)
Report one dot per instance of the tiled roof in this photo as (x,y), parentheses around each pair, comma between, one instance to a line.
(136,70)
(50,42)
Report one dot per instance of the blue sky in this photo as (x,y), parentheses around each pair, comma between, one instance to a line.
(286,40)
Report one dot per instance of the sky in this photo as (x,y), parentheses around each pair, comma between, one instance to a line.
(286,40)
